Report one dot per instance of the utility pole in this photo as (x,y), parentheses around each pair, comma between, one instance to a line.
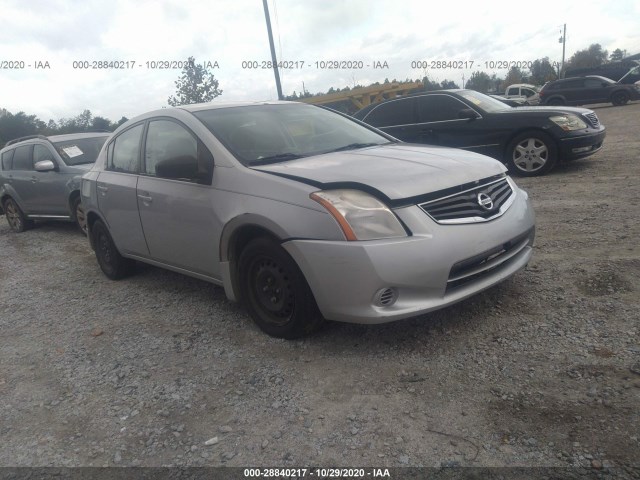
(273,50)
(563,40)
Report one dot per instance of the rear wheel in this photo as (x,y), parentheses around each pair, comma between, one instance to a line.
(620,98)
(275,291)
(114,265)
(15,218)
(77,210)
(531,153)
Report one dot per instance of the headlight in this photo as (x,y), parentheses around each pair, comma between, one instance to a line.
(360,215)
(568,122)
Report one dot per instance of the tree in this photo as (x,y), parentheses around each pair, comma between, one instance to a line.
(479,81)
(195,85)
(591,57)
(430,85)
(446,84)
(100,123)
(19,125)
(514,76)
(542,71)
(617,55)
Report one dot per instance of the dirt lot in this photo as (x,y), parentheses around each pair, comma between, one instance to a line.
(543,370)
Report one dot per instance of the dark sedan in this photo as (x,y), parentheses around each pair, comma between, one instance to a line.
(530,140)
(586,90)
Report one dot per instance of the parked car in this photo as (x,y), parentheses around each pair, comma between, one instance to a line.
(303,213)
(526,91)
(530,140)
(586,90)
(40,177)
(626,71)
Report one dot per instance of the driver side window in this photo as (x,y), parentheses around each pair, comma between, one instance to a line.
(171,151)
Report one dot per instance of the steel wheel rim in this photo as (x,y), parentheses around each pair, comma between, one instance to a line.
(104,248)
(270,287)
(13,217)
(530,155)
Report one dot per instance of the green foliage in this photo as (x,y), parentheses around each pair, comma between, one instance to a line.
(480,82)
(514,76)
(448,84)
(195,85)
(591,57)
(542,72)
(617,55)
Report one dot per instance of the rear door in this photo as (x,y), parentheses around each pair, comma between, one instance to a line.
(116,187)
(174,199)
(22,178)
(398,118)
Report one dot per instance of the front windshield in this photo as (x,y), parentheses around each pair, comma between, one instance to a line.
(260,134)
(483,101)
(81,150)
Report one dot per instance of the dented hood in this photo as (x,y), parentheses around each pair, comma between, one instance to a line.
(397,171)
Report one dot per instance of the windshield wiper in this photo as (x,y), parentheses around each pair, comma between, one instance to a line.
(355,146)
(280,157)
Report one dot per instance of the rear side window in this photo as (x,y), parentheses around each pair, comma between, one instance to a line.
(439,108)
(22,158)
(512,91)
(7,160)
(593,83)
(397,112)
(126,150)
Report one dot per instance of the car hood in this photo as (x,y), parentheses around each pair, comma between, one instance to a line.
(396,171)
(548,109)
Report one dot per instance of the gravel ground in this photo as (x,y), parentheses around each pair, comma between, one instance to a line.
(160,369)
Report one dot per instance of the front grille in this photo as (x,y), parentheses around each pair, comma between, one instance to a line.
(467,206)
(593,119)
(481,265)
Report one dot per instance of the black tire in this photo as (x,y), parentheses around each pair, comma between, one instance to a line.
(555,101)
(16,219)
(275,292)
(114,265)
(78,214)
(531,153)
(620,98)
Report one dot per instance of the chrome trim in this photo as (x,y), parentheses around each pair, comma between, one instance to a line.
(459,221)
(66,217)
(465,191)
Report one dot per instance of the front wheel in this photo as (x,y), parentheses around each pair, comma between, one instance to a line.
(113,265)
(16,219)
(531,153)
(275,291)
(620,98)
(77,210)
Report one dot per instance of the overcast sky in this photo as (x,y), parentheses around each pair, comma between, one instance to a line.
(62,32)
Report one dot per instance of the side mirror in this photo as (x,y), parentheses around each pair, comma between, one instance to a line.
(44,166)
(468,113)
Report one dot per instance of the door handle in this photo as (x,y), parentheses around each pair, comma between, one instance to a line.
(102,189)
(145,198)
(34,180)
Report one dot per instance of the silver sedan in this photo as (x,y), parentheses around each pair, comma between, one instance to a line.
(304,214)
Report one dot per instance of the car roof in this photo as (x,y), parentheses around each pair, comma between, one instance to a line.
(212,105)
(77,136)
(371,106)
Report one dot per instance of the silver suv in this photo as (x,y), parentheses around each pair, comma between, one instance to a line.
(303,213)
(40,177)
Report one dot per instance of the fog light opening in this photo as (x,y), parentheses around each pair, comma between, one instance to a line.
(385,297)
(580,149)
